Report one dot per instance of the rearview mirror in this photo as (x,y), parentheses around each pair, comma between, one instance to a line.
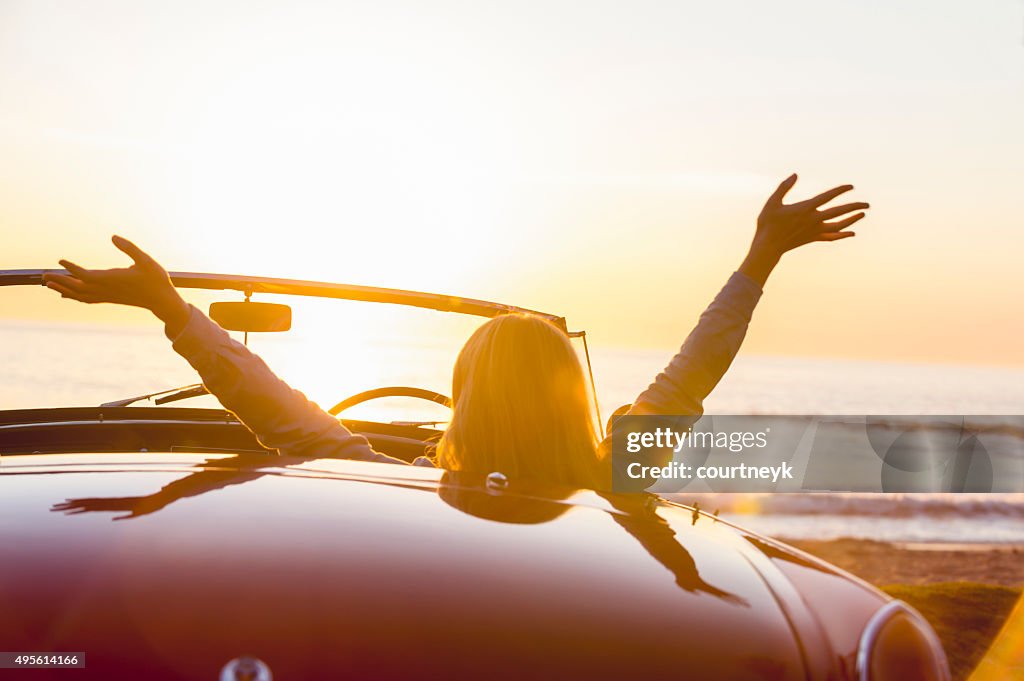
(252,317)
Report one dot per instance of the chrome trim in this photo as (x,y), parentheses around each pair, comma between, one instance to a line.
(246,667)
(872,630)
(497,481)
(301,287)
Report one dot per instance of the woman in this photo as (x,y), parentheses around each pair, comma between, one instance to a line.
(520,398)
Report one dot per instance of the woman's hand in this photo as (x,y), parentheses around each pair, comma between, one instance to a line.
(145,284)
(783,227)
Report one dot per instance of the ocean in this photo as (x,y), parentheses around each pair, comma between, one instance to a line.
(70,364)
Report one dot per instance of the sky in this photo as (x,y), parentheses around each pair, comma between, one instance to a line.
(601,160)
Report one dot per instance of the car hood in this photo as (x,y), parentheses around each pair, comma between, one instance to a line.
(170,565)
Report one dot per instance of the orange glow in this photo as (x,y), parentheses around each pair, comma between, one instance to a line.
(609,175)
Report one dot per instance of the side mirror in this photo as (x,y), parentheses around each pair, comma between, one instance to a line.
(252,317)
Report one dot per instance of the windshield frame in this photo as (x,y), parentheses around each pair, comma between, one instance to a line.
(249,285)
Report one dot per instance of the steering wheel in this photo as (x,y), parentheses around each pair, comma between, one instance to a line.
(393,391)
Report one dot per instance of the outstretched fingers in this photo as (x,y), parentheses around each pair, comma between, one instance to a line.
(842,224)
(63,280)
(835,236)
(842,210)
(824,197)
(132,251)
(782,190)
(76,270)
(69,287)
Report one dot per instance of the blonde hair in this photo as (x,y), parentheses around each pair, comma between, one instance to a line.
(521,406)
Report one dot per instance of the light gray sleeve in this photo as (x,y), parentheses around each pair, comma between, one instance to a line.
(706,355)
(281,417)
(679,390)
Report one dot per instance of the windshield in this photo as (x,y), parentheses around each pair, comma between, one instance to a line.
(336,348)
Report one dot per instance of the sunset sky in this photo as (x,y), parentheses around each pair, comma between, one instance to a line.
(602,160)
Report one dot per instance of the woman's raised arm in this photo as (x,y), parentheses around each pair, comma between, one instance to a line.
(711,347)
(281,417)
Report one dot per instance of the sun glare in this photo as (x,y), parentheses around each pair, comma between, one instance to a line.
(284,174)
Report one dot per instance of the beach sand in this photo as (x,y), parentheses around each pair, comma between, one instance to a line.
(966,591)
(882,563)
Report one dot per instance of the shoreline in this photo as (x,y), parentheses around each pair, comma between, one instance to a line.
(915,563)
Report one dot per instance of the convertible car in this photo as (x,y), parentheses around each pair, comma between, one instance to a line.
(158,542)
